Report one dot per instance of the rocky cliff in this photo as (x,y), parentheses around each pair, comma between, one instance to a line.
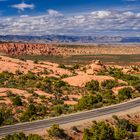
(29,49)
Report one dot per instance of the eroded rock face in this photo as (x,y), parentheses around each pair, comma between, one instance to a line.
(95,66)
(30,49)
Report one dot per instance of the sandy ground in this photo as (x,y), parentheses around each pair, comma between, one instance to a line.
(81,80)
(12,65)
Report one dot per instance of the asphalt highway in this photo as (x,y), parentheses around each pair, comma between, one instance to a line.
(65,119)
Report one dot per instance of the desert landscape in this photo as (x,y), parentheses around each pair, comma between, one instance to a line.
(70,70)
(39,88)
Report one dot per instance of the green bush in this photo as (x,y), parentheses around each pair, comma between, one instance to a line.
(125,124)
(137,87)
(6,116)
(88,102)
(58,109)
(62,66)
(29,113)
(92,85)
(99,131)
(138,128)
(125,93)
(123,134)
(22,136)
(17,101)
(57,132)
(108,97)
(60,84)
(109,84)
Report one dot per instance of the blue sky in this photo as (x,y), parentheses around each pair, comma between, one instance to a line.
(66,6)
(70,17)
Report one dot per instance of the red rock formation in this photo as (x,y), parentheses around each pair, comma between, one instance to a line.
(29,49)
(56,49)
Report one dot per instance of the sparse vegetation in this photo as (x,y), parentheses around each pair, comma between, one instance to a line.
(22,136)
(109,84)
(122,129)
(43,92)
(125,93)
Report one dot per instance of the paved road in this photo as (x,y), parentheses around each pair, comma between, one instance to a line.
(69,118)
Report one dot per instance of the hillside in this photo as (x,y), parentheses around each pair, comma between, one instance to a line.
(31,90)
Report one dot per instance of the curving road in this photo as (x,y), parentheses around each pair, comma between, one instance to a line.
(65,119)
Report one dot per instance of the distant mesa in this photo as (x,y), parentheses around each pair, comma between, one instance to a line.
(69,39)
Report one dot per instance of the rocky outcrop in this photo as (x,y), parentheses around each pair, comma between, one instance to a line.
(31,49)
(95,66)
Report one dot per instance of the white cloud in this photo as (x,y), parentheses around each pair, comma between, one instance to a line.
(54,13)
(53,22)
(22,6)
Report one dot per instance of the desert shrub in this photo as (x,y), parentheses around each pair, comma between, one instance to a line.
(17,101)
(125,124)
(137,87)
(109,84)
(5,76)
(33,112)
(88,102)
(60,84)
(115,72)
(57,132)
(92,85)
(108,97)
(125,93)
(76,66)
(62,66)
(6,116)
(30,76)
(22,136)
(99,131)
(122,134)
(42,97)
(64,76)
(34,137)
(138,128)
(58,109)
(29,113)
(56,101)
(41,110)
(40,85)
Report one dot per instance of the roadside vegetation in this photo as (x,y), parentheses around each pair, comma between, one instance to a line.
(115,129)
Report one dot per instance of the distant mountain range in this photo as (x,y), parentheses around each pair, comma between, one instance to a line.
(69,39)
